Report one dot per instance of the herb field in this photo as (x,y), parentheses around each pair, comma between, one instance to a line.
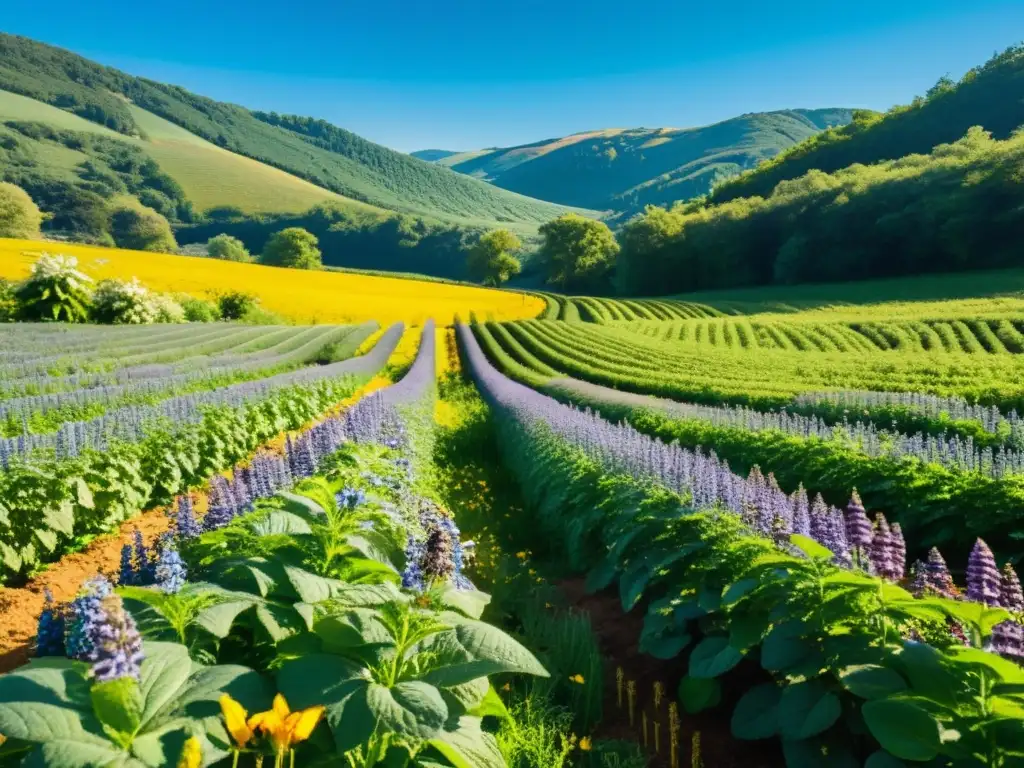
(538,543)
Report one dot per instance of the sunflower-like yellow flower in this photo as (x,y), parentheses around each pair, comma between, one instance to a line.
(585,744)
(577,679)
(283,727)
(191,754)
(234,720)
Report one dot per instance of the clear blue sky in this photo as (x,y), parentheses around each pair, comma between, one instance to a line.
(461,75)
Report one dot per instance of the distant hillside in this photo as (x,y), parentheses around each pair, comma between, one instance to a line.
(991,95)
(313,150)
(432,155)
(623,170)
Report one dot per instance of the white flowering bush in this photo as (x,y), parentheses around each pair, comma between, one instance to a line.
(56,290)
(129,302)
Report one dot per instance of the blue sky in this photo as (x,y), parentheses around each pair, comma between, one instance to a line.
(457,74)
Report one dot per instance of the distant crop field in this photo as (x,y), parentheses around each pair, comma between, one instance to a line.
(298,295)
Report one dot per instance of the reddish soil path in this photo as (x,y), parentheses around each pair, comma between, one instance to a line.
(618,634)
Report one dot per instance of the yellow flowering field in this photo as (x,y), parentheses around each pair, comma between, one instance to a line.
(299,295)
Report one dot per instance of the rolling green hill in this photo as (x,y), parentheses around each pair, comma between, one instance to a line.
(432,155)
(624,170)
(991,95)
(313,150)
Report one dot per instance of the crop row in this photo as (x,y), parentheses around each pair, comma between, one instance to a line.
(971,335)
(44,413)
(760,378)
(847,672)
(89,477)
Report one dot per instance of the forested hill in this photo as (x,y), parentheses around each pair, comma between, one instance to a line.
(316,151)
(625,169)
(433,155)
(990,95)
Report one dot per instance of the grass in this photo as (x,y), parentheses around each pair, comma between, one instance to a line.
(297,295)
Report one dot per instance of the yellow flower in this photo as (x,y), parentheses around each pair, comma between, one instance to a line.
(284,727)
(521,555)
(191,754)
(577,679)
(506,687)
(234,720)
(585,743)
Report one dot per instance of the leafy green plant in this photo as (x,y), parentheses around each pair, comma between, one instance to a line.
(234,305)
(55,290)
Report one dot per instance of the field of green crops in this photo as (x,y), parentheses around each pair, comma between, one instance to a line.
(626,533)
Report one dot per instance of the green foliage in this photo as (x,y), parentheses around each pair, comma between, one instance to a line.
(199,310)
(577,252)
(234,305)
(292,247)
(8,301)
(141,228)
(988,95)
(228,248)
(55,290)
(19,216)
(124,302)
(490,259)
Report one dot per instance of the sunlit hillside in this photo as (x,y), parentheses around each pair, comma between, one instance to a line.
(301,296)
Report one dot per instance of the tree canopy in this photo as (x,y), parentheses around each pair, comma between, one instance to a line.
(141,229)
(292,247)
(227,248)
(578,252)
(19,216)
(490,259)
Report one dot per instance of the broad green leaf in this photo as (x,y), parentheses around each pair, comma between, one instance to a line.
(817,752)
(413,709)
(738,590)
(491,705)
(218,619)
(281,522)
(807,709)
(461,699)
(632,583)
(872,681)
(118,705)
(810,547)
(903,728)
(713,656)
(310,587)
(882,759)
(302,505)
(785,646)
(757,713)
(697,694)
(340,685)
(469,602)
(468,746)
(664,646)
(476,649)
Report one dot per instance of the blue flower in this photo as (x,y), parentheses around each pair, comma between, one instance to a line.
(100,631)
(50,634)
(186,525)
(350,498)
(170,571)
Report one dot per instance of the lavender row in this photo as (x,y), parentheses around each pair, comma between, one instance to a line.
(989,417)
(131,422)
(21,408)
(953,452)
(756,499)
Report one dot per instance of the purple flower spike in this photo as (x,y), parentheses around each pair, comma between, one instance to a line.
(882,556)
(50,634)
(937,575)
(983,580)
(1011,597)
(858,530)
(185,523)
(801,512)
(118,644)
(899,552)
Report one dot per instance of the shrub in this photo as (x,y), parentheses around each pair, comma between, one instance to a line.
(8,301)
(55,290)
(292,247)
(168,310)
(141,229)
(198,310)
(236,304)
(228,248)
(124,302)
(19,216)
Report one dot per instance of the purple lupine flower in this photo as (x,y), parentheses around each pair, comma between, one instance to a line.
(937,576)
(882,556)
(983,580)
(1008,636)
(170,571)
(350,498)
(83,618)
(126,573)
(412,576)
(899,551)
(50,631)
(1011,597)
(801,512)
(858,530)
(141,561)
(185,524)
(819,521)
(117,643)
(221,510)
(919,586)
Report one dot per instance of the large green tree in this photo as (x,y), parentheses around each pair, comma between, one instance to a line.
(19,216)
(292,247)
(490,259)
(227,248)
(141,228)
(577,252)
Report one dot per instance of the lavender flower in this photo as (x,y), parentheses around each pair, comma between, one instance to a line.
(983,580)
(412,576)
(50,632)
(883,559)
(801,512)
(117,644)
(221,509)
(937,576)
(899,551)
(126,574)
(1008,636)
(858,529)
(170,571)
(84,616)
(185,523)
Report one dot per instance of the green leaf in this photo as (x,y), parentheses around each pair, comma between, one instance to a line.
(468,746)
(460,699)
(757,713)
(713,656)
(738,590)
(810,547)
(340,685)
(872,681)
(806,709)
(601,576)
(302,505)
(280,522)
(491,705)
(476,649)
(697,694)
(664,646)
(310,587)
(118,705)
(785,646)
(218,619)
(882,759)
(413,709)
(904,728)
(469,602)
(633,582)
